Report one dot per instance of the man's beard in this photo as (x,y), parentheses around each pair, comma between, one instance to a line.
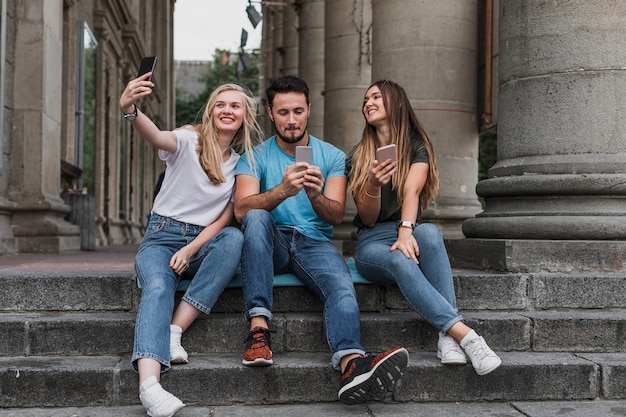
(289,139)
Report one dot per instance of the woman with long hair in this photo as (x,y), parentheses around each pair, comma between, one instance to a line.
(188,235)
(392,245)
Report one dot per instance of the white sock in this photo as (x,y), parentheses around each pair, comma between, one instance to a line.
(148,383)
(176,332)
(468,338)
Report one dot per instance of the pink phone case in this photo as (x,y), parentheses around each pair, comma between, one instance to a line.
(386,152)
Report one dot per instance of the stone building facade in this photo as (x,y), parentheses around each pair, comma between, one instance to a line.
(66,149)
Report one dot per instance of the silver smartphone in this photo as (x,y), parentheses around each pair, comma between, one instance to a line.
(386,152)
(304,154)
(147,65)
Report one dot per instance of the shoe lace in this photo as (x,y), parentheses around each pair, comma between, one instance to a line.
(258,338)
(479,348)
(448,343)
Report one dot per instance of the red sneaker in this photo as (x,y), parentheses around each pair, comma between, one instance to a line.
(258,348)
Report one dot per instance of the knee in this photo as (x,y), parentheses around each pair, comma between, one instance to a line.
(256,218)
(233,236)
(429,235)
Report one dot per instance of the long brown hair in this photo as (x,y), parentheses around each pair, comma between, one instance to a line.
(248,135)
(405,128)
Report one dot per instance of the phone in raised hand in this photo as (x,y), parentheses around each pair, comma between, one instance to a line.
(147,65)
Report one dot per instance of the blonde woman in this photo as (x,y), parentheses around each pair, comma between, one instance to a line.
(188,234)
(392,246)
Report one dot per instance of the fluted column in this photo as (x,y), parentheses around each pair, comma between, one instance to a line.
(311,59)
(430,48)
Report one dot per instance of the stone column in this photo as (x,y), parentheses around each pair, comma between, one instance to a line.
(556,198)
(430,48)
(348,73)
(348,69)
(311,59)
(35,155)
(290,39)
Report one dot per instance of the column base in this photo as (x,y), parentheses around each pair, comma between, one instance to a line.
(510,255)
(48,244)
(42,228)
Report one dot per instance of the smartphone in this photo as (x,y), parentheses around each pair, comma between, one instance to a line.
(304,154)
(147,65)
(386,152)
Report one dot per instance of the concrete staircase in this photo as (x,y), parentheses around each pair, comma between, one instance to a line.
(67,337)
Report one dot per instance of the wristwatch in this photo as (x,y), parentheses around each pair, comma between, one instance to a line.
(406,223)
(131,116)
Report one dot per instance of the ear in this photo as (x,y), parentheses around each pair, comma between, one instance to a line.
(269,113)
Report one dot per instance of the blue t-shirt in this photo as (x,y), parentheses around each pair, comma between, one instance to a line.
(297,212)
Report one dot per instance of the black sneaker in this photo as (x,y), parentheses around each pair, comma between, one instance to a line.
(371,377)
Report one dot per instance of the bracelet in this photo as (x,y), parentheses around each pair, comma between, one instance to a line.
(371,195)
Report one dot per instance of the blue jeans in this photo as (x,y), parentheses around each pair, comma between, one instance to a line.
(427,287)
(210,270)
(269,249)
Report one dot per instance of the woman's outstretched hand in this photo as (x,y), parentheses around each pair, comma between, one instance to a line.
(135,89)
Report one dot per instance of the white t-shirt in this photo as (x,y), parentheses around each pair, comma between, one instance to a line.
(187,194)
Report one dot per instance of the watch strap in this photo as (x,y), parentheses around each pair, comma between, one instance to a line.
(406,223)
(131,116)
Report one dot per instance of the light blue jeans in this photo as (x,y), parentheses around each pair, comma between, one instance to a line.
(427,287)
(210,270)
(269,249)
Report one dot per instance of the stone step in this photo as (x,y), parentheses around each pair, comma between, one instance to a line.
(221,379)
(595,408)
(98,333)
(117,291)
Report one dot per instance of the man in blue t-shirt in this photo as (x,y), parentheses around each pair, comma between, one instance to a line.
(287,210)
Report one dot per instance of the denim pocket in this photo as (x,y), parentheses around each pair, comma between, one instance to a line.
(157,223)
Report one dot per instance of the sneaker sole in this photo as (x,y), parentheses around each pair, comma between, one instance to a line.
(176,410)
(179,360)
(380,380)
(258,362)
(169,415)
(489,370)
(452,361)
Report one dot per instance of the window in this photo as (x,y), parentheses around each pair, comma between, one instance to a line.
(85,149)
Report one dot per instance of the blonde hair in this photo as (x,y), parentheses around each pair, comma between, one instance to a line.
(248,135)
(405,128)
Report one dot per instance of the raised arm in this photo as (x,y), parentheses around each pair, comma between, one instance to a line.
(135,89)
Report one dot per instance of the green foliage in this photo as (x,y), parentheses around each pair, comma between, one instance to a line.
(227,67)
(487,151)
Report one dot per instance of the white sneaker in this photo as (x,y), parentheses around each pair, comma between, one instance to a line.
(160,403)
(484,360)
(449,351)
(177,353)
